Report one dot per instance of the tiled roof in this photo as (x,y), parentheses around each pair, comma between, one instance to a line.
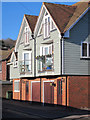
(81,7)
(65,15)
(5,54)
(31,19)
(61,14)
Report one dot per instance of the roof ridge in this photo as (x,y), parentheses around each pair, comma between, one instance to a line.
(30,15)
(58,4)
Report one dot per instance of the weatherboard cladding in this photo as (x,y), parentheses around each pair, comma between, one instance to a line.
(72,49)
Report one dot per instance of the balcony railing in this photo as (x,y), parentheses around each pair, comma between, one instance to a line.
(45,63)
(25,67)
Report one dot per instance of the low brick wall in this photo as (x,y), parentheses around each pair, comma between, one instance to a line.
(5,89)
(78,91)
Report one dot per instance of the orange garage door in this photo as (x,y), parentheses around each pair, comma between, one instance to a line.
(36,91)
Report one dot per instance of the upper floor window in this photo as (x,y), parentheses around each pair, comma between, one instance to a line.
(45,50)
(26,35)
(85,50)
(48,25)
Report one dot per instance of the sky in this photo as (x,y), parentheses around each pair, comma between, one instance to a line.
(12,15)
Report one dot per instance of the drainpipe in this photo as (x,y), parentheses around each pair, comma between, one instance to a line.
(61,40)
(34,54)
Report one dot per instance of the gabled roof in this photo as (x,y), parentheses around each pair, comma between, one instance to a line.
(81,7)
(5,54)
(65,15)
(61,14)
(31,19)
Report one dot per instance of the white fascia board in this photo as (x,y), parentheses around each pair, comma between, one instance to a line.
(66,34)
(13,54)
(28,25)
(40,14)
(19,34)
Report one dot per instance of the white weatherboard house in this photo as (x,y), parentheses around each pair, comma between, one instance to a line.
(51,60)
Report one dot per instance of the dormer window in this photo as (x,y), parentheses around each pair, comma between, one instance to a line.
(26,35)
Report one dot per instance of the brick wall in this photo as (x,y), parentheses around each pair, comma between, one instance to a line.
(78,91)
(3,74)
(5,89)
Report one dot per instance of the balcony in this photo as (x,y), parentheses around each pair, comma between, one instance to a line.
(25,67)
(45,63)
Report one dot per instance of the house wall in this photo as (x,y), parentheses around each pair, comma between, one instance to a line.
(73,64)
(5,89)
(15,72)
(78,91)
(3,73)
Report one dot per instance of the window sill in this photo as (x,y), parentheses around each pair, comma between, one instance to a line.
(46,37)
(85,58)
(53,30)
(45,71)
(16,91)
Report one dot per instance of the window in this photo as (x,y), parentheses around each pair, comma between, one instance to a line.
(52,25)
(26,35)
(45,62)
(26,63)
(16,86)
(15,64)
(0,66)
(46,49)
(85,50)
(47,27)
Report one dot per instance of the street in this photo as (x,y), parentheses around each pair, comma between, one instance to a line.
(27,110)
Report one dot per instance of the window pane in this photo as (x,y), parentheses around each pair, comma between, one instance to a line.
(84,49)
(45,27)
(46,50)
(48,25)
(48,63)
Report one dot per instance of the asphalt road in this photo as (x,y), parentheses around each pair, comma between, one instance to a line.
(26,110)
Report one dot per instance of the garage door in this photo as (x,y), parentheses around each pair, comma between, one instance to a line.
(36,91)
(48,93)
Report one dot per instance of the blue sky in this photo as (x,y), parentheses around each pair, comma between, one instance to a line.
(12,15)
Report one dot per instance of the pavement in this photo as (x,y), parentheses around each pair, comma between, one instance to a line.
(27,110)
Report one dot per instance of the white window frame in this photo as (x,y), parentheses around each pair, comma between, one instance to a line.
(42,49)
(27,33)
(19,85)
(42,52)
(15,64)
(30,58)
(87,50)
(48,34)
(51,21)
